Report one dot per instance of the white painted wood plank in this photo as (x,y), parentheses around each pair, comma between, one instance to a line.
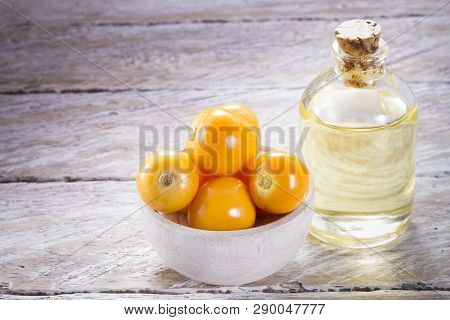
(42,224)
(217,55)
(49,136)
(376,295)
(172,11)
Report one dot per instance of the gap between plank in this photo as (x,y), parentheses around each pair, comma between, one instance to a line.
(71,179)
(34,179)
(241,20)
(287,288)
(106,90)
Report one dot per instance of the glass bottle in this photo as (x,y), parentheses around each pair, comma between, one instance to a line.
(358,136)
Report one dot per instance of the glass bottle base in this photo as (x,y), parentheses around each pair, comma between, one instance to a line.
(360,230)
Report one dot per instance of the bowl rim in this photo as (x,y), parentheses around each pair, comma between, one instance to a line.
(286,218)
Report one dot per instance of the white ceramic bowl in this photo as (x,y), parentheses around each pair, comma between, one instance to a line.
(227,257)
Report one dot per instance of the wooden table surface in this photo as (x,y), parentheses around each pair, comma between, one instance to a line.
(69,137)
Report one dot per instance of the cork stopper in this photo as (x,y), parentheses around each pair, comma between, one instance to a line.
(358,37)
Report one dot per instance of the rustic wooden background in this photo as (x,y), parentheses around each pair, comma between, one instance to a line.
(69,137)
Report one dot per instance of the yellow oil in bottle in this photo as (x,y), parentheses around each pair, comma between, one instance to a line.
(359,145)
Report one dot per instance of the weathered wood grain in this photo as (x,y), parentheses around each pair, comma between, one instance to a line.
(243,294)
(96,136)
(47,222)
(172,11)
(231,55)
(187,56)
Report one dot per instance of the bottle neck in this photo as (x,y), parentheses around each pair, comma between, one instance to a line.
(363,70)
